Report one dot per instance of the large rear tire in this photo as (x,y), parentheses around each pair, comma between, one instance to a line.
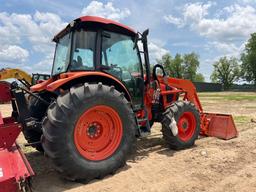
(187,120)
(89,132)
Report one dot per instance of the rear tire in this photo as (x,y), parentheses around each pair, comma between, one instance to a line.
(187,118)
(67,119)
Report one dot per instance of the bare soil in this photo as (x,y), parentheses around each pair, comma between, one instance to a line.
(211,165)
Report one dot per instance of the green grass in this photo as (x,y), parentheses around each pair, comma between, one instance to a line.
(250,107)
(229,96)
(242,119)
(210,95)
(241,97)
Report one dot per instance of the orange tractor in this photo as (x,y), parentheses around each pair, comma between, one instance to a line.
(102,95)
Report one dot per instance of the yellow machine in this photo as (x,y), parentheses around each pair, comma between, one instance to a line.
(25,78)
(22,76)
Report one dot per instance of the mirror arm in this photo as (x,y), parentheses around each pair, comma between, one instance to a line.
(146,55)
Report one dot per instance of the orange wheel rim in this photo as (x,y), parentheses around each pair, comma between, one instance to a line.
(186,126)
(98,133)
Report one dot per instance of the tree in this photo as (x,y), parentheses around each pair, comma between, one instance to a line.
(182,66)
(226,71)
(199,77)
(173,67)
(191,64)
(165,61)
(176,69)
(248,59)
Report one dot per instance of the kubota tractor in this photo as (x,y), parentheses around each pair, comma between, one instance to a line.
(102,95)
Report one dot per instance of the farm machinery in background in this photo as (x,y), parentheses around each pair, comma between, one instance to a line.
(100,96)
(23,77)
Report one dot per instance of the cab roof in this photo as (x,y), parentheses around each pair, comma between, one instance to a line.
(105,21)
(97,22)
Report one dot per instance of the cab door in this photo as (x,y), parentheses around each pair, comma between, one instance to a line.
(120,58)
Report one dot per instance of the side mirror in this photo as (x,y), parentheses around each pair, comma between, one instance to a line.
(145,33)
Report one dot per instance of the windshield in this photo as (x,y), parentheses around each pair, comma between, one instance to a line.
(62,55)
(82,54)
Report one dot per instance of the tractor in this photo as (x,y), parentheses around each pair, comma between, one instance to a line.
(102,95)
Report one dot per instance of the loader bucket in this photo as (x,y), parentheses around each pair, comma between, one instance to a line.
(221,126)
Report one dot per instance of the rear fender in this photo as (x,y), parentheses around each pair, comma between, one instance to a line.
(67,80)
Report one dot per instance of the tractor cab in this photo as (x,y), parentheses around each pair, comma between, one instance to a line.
(95,44)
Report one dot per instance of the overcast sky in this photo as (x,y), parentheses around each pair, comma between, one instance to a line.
(210,28)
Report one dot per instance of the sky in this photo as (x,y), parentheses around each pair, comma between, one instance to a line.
(211,29)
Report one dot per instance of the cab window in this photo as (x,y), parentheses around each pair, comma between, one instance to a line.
(83,50)
(120,58)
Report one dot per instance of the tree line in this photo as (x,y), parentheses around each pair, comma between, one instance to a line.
(226,70)
(182,66)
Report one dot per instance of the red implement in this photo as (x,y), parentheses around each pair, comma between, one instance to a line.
(5,95)
(15,171)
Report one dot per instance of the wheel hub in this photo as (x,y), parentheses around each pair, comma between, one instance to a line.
(94,130)
(98,132)
(186,126)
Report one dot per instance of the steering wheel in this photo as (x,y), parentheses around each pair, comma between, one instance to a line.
(154,71)
(119,70)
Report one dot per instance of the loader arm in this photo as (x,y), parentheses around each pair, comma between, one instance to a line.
(189,88)
(22,76)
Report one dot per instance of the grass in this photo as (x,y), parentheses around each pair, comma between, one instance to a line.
(210,95)
(241,97)
(250,107)
(242,119)
(229,96)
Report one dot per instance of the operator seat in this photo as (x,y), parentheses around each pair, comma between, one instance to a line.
(79,62)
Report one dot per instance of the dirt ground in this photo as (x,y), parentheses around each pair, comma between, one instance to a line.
(212,165)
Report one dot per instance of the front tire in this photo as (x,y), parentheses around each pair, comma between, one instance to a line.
(187,119)
(89,132)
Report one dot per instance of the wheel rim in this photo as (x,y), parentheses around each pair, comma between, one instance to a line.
(186,126)
(98,133)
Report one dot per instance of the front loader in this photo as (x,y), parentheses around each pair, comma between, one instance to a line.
(102,95)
